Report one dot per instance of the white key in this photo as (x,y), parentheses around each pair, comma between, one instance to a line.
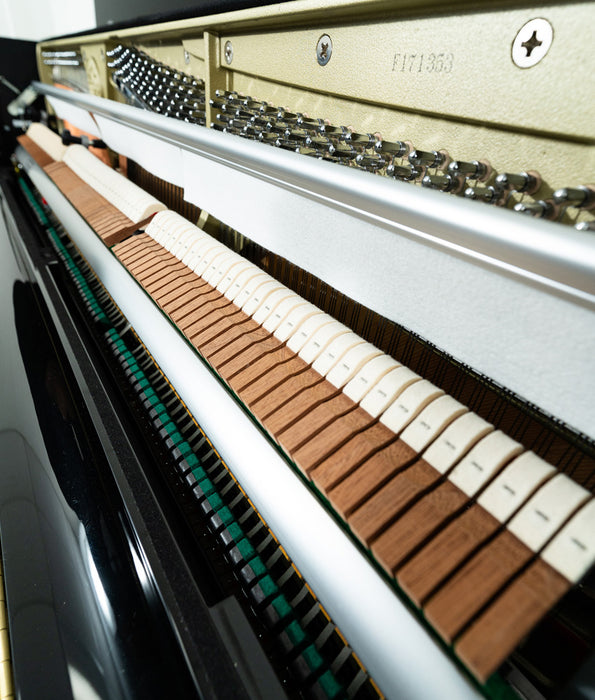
(455,441)
(368,376)
(321,340)
(572,551)
(547,511)
(387,389)
(260,295)
(484,461)
(335,352)
(342,372)
(293,320)
(509,490)
(272,302)
(408,404)
(307,329)
(432,421)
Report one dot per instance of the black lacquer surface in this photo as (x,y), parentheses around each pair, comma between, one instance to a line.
(84,616)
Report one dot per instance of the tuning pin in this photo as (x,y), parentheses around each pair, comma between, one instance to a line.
(227,95)
(362,141)
(250,131)
(341,150)
(267,137)
(581,197)
(404,172)
(297,136)
(196,116)
(259,120)
(474,170)
(397,149)
(245,100)
(319,143)
(329,130)
(489,195)
(520,182)
(429,159)
(444,183)
(289,117)
(310,123)
(110,53)
(286,145)
(585,226)
(243,114)
(239,123)
(267,109)
(370,162)
(312,152)
(541,209)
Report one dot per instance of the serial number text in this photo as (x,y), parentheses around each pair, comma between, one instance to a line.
(423,62)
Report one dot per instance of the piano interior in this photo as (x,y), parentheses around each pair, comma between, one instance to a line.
(299,304)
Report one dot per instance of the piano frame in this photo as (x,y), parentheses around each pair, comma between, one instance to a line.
(551,263)
(508,296)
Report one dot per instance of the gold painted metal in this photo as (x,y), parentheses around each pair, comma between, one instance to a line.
(6,684)
(196,55)
(4,646)
(95,68)
(459,67)
(407,70)
(216,78)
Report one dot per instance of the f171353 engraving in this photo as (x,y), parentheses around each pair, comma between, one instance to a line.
(423,62)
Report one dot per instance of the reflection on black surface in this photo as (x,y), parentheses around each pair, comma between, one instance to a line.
(77,608)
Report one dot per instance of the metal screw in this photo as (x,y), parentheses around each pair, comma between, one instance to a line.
(324,49)
(532,42)
(186,57)
(228,51)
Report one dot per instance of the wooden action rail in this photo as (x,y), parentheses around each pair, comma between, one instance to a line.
(110,224)
(482,535)
(39,155)
(112,205)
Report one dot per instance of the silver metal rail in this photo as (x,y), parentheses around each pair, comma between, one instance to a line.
(560,257)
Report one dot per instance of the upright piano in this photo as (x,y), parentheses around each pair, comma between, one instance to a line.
(298,354)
